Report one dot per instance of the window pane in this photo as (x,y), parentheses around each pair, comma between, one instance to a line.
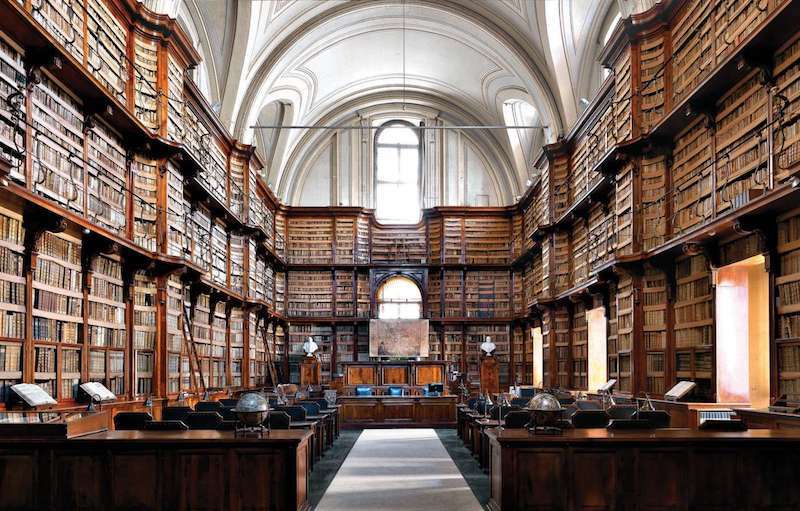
(398,135)
(399,289)
(409,310)
(409,161)
(388,166)
(388,311)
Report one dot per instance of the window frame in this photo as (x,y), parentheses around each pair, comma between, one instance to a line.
(375,146)
(379,297)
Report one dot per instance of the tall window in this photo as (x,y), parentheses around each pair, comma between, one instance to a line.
(397,174)
(399,298)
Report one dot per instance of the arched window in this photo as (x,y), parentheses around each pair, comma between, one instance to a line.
(397,173)
(399,298)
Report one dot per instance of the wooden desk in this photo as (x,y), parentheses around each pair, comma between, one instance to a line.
(402,411)
(684,415)
(659,469)
(157,470)
(765,419)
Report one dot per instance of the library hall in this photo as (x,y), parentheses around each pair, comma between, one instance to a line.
(399,255)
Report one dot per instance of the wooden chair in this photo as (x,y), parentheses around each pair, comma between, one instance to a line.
(203,420)
(279,420)
(310,407)
(166,426)
(296,413)
(208,406)
(130,421)
(517,419)
(621,411)
(175,413)
(590,419)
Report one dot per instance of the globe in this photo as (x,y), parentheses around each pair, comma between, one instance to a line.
(544,402)
(252,409)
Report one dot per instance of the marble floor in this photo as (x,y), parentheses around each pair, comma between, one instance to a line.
(398,469)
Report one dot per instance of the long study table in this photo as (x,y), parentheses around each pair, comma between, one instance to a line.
(651,469)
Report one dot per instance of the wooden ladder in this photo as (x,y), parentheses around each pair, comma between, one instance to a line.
(270,361)
(188,338)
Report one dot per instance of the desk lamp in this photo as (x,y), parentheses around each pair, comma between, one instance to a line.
(502,402)
(487,404)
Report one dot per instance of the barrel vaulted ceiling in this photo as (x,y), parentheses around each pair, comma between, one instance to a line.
(323,61)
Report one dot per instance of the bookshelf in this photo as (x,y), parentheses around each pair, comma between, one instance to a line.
(579,348)
(57,144)
(651,78)
(345,230)
(219,342)
(310,293)
(145,201)
(601,240)
(12,299)
(64,20)
(176,129)
(145,80)
(741,144)
(624,208)
(219,252)
(561,269)
(561,344)
(453,283)
(310,240)
(691,175)
(236,264)
(435,233)
(236,187)
(454,347)
(787,282)
(654,201)
(694,323)
(236,328)
(786,135)
(612,344)
(692,43)
(107,167)
(345,293)
(398,244)
(733,23)
(345,346)
(435,294)
(280,292)
(486,240)
(363,244)
(486,294)
(518,232)
(12,115)
(654,330)
(547,349)
(519,306)
(434,344)
(201,319)
(622,96)
(107,41)
(452,236)
(578,252)
(145,314)
(625,332)
(362,342)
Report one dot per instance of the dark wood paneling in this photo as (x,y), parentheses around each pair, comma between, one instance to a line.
(142,467)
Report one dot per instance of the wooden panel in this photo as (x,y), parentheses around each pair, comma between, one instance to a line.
(141,468)
(715,479)
(268,478)
(541,480)
(201,479)
(655,490)
(594,479)
(80,480)
(398,411)
(361,375)
(19,471)
(395,375)
(428,374)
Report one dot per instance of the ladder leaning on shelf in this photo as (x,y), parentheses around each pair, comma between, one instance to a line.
(192,349)
(270,361)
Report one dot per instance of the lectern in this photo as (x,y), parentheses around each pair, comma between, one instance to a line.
(490,375)
(310,370)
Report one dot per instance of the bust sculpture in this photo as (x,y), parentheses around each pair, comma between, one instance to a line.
(488,347)
(310,347)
